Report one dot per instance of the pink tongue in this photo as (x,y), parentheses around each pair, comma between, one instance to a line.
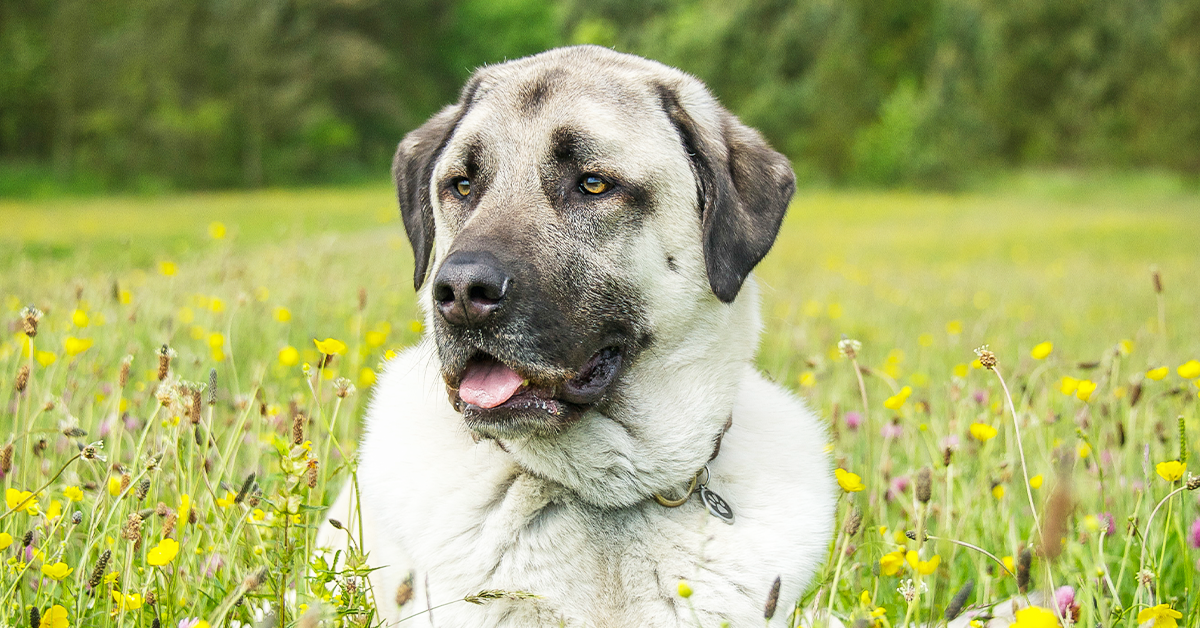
(488,384)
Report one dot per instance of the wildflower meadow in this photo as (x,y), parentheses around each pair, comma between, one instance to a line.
(1010,377)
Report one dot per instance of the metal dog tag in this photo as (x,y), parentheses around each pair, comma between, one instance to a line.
(717,507)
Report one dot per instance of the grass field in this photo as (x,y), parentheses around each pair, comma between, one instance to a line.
(240,284)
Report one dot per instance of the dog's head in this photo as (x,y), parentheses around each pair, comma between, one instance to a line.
(572,211)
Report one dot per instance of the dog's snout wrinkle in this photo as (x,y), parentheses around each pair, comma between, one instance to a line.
(469,287)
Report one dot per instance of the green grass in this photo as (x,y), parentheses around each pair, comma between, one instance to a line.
(920,279)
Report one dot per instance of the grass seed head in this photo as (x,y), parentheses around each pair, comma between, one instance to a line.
(924,485)
(986,358)
(30,316)
(132,530)
(194,405)
(853,522)
(772,600)
(1156,279)
(1024,562)
(247,484)
(27,540)
(98,570)
(165,353)
(298,428)
(35,617)
(6,459)
(77,517)
(311,476)
(849,347)
(123,379)
(955,607)
(212,387)
(22,381)
(74,432)
(143,489)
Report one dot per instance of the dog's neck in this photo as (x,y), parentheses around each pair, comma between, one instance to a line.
(666,420)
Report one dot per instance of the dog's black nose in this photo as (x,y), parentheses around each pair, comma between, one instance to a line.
(469,287)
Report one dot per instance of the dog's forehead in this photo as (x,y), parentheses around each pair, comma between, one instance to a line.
(533,109)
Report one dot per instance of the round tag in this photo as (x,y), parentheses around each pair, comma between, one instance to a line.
(717,507)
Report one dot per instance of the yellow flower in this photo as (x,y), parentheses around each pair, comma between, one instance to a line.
(954,328)
(28,503)
(73,493)
(1035,481)
(289,356)
(389,355)
(1162,615)
(1157,374)
(45,358)
(376,338)
(114,486)
(366,377)
(54,511)
(1125,346)
(850,482)
(960,371)
(998,491)
(895,401)
(74,346)
(282,314)
(227,500)
(57,571)
(982,432)
(79,318)
(1189,370)
(216,305)
(216,230)
(1068,385)
(923,567)
(1041,350)
(54,617)
(1171,470)
(1084,450)
(163,553)
(216,340)
(129,602)
(808,379)
(5,540)
(1009,564)
(416,326)
(258,514)
(168,269)
(1035,617)
(1085,389)
(865,598)
(891,563)
(125,296)
(185,506)
(329,346)
(685,590)
(1091,523)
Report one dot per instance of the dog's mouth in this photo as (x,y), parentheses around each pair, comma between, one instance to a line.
(496,400)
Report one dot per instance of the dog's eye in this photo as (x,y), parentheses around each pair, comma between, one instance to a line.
(593,185)
(462,185)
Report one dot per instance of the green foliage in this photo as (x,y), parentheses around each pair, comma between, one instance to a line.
(164,94)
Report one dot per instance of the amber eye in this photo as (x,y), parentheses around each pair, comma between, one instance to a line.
(463,186)
(593,185)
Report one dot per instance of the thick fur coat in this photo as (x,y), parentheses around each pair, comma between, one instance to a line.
(654,270)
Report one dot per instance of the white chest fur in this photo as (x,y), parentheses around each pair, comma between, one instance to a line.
(462,517)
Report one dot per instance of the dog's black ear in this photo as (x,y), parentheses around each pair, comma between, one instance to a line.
(744,188)
(412,169)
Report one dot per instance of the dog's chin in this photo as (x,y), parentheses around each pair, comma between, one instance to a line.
(539,409)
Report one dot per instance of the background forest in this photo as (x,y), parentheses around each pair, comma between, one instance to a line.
(148,95)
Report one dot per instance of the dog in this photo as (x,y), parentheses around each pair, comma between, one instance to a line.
(582,426)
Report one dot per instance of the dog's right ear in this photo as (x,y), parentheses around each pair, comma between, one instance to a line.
(412,169)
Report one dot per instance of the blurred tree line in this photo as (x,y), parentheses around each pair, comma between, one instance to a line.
(129,94)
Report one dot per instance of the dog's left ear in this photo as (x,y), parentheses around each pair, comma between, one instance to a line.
(412,169)
(744,189)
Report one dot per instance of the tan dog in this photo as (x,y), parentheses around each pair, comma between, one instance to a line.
(584,224)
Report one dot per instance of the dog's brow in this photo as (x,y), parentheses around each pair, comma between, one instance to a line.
(569,144)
